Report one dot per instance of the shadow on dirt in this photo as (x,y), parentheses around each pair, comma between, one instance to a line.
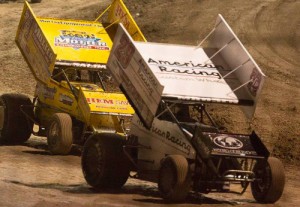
(74,151)
(150,192)
(39,147)
(191,199)
(42,149)
(79,188)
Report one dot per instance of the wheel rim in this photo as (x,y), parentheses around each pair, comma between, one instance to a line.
(94,161)
(263,179)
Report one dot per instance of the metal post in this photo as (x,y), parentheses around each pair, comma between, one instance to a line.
(211,57)
(207,36)
(236,68)
(96,20)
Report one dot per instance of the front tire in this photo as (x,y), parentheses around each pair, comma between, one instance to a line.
(15,127)
(59,134)
(269,180)
(174,179)
(103,161)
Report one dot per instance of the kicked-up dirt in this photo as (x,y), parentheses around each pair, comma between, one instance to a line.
(269,29)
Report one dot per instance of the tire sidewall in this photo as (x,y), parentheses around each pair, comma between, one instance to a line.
(273,181)
(109,167)
(17,128)
(180,182)
(59,134)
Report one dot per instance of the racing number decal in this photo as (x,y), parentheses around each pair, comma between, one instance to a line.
(124,51)
(256,78)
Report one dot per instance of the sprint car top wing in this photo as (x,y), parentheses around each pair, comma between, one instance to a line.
(222,72)
(34,46)
(45,42)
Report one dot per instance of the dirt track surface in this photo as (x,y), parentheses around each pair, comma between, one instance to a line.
(30,176)
(269,29)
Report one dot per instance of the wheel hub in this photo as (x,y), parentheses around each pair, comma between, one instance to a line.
(263,179)
(54,130)
(95,160)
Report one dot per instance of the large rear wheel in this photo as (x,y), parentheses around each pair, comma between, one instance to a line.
(15,126)
(103,161)
(174,179)
(269,180)
(60,136)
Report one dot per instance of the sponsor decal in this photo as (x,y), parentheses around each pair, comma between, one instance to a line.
(234,151)
(82,65)
(228,142)
(79,39)
(147,77)
(70,23)
(49,92)
(46,92)
(256,78)
(66,99)
(169,137)
(98,100)
(109,104)
(106,101)
(120,14)
(232,144)
(44,47)
(188,68)
(27,23)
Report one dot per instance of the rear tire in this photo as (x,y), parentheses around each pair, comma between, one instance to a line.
(59,134)
(104,163)
(270,179)
(174,181)
(15,127)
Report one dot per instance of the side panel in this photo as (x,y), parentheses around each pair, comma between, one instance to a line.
(119,12)
(57,96)
(84,106)
(93,104)
(34,46)
(134,77)
(163,138)
(105,123)
(108,103)
(240,63)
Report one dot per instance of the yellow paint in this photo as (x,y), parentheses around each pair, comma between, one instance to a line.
(119,13)
(74,41)
(34,46)
(77,41)
(114,103)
